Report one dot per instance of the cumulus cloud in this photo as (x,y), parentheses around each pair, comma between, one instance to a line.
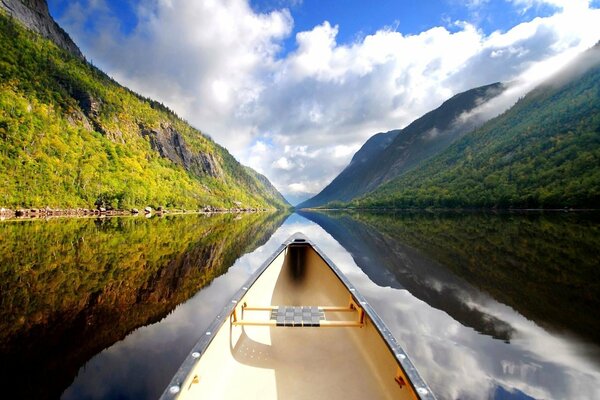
(297,117)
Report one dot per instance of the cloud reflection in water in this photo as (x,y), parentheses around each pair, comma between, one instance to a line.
(456,361)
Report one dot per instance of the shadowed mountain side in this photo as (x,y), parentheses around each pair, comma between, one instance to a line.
(387,155)
(78,286)
(389,262)
(352,180)
(543,265)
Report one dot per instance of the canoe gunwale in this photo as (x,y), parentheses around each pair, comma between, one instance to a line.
(421,389)
(208,336)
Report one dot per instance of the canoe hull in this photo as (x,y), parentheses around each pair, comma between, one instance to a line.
(298,329)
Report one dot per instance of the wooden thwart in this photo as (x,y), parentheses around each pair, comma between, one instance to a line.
(323,308)
(300,316)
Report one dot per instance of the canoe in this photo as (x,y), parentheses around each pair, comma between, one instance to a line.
(298,329)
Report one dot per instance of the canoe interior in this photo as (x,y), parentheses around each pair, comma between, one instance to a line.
(273,362)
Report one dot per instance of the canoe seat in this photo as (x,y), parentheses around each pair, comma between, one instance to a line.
(299,316)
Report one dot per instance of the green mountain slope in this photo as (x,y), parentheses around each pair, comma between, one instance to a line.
(72,137)
(543,152)
(388,155)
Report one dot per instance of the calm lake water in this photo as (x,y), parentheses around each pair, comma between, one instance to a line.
(488,306)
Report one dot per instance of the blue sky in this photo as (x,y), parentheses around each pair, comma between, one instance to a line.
(294,87)
(358,18)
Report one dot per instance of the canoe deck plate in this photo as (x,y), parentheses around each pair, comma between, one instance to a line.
(298,316)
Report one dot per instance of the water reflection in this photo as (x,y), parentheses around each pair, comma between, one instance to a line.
(71,287)
(459,292)
(524,260)
(453,355)
(389,262)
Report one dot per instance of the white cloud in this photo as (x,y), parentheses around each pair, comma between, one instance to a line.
(297,187)
(475,3)
(299,117)
(283,163)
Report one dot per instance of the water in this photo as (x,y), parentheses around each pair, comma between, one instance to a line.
(488,306)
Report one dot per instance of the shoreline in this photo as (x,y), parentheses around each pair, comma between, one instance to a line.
(451,210)
(46,213)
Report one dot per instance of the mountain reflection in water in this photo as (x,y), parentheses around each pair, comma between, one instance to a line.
(488,306)
(72,287)
(528,279)
(542,265)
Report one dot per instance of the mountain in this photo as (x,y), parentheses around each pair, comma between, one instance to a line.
(34,15)
(73,137)
(388,155)
(543,152)
(353,179)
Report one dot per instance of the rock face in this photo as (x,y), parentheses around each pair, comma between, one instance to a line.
(34,15)
(170,144)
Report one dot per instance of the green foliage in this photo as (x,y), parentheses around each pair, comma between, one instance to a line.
(65,260)
(70,136)
(543,152)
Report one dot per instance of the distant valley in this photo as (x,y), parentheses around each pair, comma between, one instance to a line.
(73,137)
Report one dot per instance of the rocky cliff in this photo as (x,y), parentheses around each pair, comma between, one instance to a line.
(170,144)
(34,15)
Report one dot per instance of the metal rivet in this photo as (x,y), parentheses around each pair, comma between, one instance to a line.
(422,390)
(195,354)
(174,389)
(207,333)
(244,288)
(401,356)
(234,301)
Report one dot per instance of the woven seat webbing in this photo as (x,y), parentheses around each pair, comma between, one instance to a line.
(298,316)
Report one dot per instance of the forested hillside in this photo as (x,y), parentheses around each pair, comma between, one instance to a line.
(70,136)
(543,152)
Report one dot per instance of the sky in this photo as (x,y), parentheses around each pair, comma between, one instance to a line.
(293,88)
